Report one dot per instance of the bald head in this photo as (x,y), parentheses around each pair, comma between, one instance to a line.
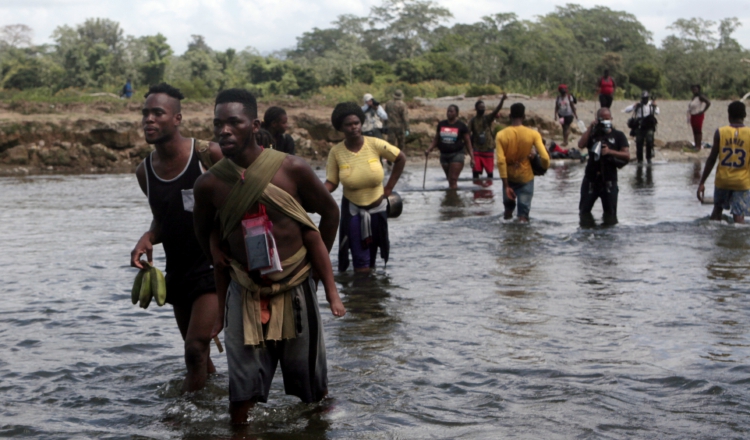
(604,113)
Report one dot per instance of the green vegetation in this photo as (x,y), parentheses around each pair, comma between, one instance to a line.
(400,44)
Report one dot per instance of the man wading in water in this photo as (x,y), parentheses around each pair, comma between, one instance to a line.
(256,200)
(167,177)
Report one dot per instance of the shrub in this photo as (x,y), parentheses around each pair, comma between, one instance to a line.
(479,90)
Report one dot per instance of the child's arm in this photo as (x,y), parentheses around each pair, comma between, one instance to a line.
(321,263)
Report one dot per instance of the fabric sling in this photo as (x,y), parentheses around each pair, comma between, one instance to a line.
(250,186)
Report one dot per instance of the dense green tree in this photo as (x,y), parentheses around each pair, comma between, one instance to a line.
(158,53)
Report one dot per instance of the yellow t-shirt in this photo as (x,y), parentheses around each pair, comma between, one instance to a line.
(733,171)
(361,173)
(513,146)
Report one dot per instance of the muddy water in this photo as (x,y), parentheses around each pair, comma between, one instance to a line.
(477,328)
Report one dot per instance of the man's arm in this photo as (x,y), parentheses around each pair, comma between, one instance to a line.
(315,197)
(145,244)
(710,162)
(629,108)
(499,107)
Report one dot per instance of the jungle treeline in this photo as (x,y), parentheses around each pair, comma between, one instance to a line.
(402,44)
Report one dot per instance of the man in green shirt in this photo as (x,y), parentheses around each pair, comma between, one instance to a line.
(480,130)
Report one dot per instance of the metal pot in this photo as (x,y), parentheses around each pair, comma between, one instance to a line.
(395,205)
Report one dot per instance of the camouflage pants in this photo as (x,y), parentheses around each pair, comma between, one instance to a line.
(397,137)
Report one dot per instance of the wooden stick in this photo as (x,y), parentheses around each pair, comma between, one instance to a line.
(424,179)
(218,344)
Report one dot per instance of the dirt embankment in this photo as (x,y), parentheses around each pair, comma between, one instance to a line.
(107,137)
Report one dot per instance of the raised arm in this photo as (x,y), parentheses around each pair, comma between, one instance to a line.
(499,107)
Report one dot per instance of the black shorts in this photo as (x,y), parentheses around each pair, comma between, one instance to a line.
(184,289)
(567,120)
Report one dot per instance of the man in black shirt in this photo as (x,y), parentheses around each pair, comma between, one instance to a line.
(608,151)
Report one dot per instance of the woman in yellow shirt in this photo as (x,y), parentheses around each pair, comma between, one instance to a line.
(356,164)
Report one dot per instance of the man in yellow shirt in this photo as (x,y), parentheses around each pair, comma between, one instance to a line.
(515,145)
(732,148)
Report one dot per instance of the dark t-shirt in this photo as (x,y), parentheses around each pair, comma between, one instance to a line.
(451,136)
(605,168)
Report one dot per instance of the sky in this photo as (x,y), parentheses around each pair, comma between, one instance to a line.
(274,25)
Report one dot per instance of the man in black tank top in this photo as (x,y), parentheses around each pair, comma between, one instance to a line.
(167,177)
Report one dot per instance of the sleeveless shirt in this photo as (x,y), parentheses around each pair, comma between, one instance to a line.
(172,204)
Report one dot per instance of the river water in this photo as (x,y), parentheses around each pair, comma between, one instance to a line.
(477,328)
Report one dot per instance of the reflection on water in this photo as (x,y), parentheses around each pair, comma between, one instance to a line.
(477,328)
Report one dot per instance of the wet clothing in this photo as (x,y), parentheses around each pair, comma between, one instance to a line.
(451,136)
(513,148)
(364,250)
(302,358)
(733,167)
(600,176)
(524,194)
(484,161)
(605,169)
(188,270)
(481,133)
(449,158)
(361,173)
(737,202)
(592,190)
(643,137)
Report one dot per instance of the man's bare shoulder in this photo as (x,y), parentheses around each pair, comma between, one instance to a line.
(140,175)
(205,181)
(215,151)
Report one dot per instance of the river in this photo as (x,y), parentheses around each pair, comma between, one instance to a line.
(477,328)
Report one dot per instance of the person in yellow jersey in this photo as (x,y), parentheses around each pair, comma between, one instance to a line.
(732,148)
(515,147)
(355,163)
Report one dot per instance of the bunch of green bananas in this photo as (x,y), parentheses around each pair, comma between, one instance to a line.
(149,283)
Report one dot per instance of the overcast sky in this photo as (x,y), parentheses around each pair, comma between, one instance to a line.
(271,25)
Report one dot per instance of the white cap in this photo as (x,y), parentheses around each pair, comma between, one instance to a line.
(644,94)
(367,97)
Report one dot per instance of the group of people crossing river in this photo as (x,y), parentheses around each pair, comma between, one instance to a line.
(244,257)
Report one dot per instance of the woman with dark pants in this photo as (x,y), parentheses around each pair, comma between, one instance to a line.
(356,164)
(452,139)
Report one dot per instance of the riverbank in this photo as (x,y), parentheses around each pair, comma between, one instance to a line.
(107,138)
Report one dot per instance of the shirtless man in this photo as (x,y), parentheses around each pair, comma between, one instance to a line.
(272,318)
(167,177)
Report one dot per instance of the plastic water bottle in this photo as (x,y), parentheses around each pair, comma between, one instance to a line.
(581,127)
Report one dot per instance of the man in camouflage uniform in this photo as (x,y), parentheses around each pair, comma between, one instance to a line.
(482,140)
(398,120)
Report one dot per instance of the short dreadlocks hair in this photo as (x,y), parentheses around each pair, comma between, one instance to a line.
(243,97)
(168,90)
(344,109)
